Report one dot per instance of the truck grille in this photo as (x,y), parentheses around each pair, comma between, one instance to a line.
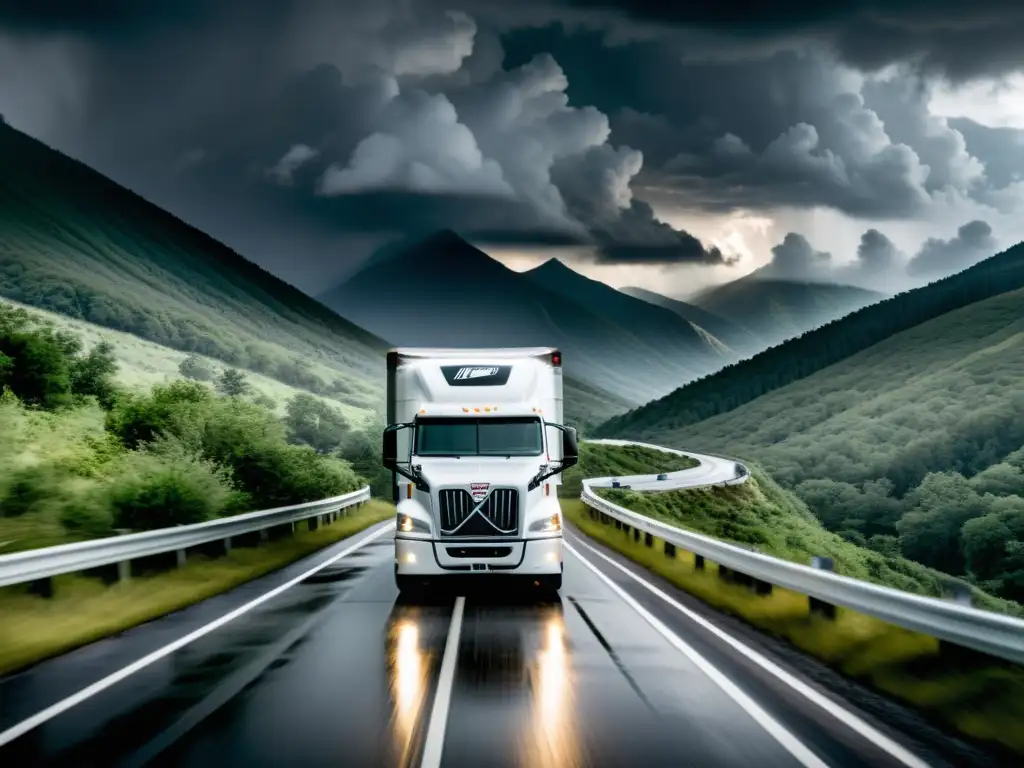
(498,515)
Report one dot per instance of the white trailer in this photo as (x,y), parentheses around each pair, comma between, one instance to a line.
(476,447)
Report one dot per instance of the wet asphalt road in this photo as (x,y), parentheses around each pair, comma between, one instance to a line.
(340,670)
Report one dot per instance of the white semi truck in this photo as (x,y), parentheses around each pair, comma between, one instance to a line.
(476,447)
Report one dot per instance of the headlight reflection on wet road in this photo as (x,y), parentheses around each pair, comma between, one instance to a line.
(552,738)
(409,671)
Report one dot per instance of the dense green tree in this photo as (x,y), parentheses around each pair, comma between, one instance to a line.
(94,373)
(313,422)
(930,529)
(233,383)
(40,371)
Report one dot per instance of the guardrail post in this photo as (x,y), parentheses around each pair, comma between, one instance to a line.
(180,557)
(819,606)
(124,570)
(648,540)
(670,550)
(311,523)
(698,562)
(41,587)
(264,534)
(636,534)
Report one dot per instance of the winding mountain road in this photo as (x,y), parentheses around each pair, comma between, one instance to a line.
(340,669)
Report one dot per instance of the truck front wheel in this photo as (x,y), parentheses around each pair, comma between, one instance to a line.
(550,583)
(406,583)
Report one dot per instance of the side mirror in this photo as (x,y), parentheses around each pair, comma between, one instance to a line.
(389,449)
(570,447)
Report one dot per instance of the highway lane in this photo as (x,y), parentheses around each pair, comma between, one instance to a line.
(711,470)
(338,670)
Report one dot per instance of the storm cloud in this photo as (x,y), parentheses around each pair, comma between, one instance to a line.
(948,37)
(537,123)
(939,258)
(879,264)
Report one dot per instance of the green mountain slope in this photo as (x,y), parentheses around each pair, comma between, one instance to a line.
(776,310)
(75,242)
(912,446)
(442,291)
(733,335)
(943,395)
(815,350)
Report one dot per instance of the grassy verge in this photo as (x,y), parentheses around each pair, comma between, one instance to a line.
(84,610)
(762,514)
(980,697)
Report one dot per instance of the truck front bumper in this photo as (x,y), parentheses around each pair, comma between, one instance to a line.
(422,557)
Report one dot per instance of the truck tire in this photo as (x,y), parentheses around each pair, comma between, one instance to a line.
(550,583)
(406,583)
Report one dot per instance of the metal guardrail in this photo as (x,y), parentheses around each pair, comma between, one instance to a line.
(984,631)
(38,564)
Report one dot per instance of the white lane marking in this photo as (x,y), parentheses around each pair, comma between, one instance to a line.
(774,728)
(847,718)
(434,742)
(101,685)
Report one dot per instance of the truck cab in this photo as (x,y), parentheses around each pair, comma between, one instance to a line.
(476,448)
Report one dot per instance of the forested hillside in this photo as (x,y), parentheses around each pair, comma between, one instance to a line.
(913,445)
(813,351)
(75,242)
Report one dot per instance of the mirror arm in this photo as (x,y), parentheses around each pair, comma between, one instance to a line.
(412,473)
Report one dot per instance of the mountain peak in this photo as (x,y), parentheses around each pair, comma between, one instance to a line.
(554,268)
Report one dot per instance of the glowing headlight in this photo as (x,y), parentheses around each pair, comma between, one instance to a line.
(547,524)
(409,524)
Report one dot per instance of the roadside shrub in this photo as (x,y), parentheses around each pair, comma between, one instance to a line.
(277,474)
(164,488)
(29,487)
(311,421)
(362,452)
(166,409)
(88,514)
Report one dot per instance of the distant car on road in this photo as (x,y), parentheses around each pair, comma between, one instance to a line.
(663,476)
(615,482)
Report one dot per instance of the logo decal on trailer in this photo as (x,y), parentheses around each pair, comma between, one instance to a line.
(478,491)
(475,373)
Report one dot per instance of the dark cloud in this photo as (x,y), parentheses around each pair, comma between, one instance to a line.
(795,259)
(879,265)
(877,252)
(949,37)
(534,123)
(939,258)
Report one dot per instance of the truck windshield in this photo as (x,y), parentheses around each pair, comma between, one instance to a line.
(479,437)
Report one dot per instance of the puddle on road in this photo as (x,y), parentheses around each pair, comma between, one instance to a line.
(331,575)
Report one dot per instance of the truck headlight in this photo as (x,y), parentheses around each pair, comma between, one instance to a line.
(547,524)
(409,524)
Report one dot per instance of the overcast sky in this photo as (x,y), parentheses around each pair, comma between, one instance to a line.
(878,143)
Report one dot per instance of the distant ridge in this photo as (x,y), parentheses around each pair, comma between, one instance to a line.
(443,291)
(777,367)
